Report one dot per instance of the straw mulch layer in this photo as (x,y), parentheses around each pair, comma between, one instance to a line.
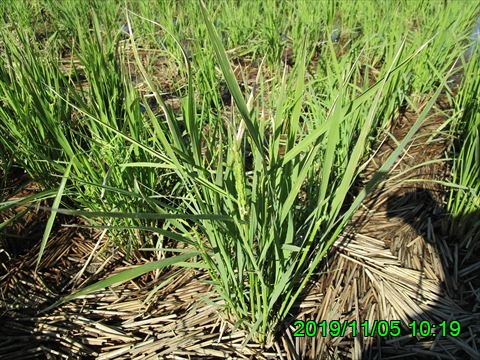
(179,319)
(397,261)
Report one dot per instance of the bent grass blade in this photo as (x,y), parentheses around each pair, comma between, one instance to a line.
(128,275)
(52,216)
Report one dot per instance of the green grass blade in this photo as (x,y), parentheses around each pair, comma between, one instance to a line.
(53,214)
(231,80)
(127,275)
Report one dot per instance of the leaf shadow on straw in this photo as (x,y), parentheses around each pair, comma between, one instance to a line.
(446,235)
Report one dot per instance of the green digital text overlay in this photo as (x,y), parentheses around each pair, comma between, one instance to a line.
(382,328)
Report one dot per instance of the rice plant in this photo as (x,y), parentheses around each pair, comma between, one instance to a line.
(464,199)
(265,217)
(260,189)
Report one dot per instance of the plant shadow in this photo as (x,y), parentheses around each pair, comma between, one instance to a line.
(436,234)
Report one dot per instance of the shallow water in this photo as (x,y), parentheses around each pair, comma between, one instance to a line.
(475,37)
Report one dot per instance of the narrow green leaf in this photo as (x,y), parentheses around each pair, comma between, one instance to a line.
(51,218)
(127,275)
(123,215)
(231,80)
